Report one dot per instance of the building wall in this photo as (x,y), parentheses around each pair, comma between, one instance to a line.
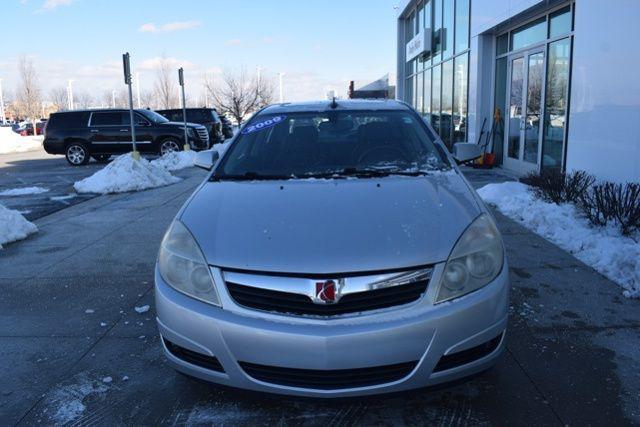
(604,120)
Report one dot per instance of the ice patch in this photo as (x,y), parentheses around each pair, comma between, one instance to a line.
(125,174)
(89,311)
(63,198)
(67,402)
(23,191)
(13,226)
(142,309)
(605,249)
(107,380)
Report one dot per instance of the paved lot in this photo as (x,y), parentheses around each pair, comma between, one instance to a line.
(572,355)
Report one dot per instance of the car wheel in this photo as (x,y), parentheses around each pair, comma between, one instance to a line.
(77,154)
(101,158)
(169,146)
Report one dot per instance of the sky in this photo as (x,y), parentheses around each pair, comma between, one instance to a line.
(318,44)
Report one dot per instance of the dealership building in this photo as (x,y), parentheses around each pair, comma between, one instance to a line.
(544,84)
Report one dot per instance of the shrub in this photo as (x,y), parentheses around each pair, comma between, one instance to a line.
(559,187)
(611,202)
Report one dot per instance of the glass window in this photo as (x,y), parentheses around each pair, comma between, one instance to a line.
(435,98)
(108,119)
(427,94)
(319,144)
(529,34)
(462,25)
(437,30)
(447,16)
(502,44)
(429,25)
(414,102)
(419,92)
(409,27)
(408,90)
(556,102)
(460,79)
(419,18)
(560,22)
(446,111)
(499,108)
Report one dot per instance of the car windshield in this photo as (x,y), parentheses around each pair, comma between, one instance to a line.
(332,145)
(153,116)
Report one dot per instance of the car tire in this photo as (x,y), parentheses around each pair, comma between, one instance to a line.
(168,145)
(101,158)
(77,154)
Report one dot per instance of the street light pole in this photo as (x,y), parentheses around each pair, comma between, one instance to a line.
(280,75)
(184,109)
(70,95)
(113,99)
(126,63)
(4,120)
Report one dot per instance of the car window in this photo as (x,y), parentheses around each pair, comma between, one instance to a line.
(109,118)
(302,144)
(198,116)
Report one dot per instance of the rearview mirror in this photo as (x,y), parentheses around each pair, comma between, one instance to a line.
(464,152)
(206,159)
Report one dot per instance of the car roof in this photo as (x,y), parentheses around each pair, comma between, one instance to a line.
(100,110)
(342,105)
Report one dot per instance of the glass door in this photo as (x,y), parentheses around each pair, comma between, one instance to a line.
(524,111)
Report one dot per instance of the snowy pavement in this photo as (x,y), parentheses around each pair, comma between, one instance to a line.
(83,347)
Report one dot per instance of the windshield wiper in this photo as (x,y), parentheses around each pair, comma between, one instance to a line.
(251,176)
(377,172)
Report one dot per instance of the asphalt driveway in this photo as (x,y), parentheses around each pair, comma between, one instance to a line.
(74,349)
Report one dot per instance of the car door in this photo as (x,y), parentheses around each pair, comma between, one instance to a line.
(109,134)
(144,134)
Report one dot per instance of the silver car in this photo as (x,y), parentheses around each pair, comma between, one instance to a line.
(334,250)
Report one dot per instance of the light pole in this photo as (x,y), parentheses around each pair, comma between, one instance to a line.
(280,75)
(4,120)
(184,109)
(126,65)
(70,95)
(113,99)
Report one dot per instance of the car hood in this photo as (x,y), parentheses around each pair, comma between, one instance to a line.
(331,226)
(181,124)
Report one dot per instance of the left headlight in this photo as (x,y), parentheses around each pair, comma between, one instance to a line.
(191,133)
(183,266)
(475,261)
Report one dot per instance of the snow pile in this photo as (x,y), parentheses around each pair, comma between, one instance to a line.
(605,249)
(23,191)
(11,142)
(125,174)
(13,226)
(175,160)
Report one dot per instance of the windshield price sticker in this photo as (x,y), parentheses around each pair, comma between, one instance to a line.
(265,124)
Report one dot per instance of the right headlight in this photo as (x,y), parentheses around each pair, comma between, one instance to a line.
(475,261)
(183,266)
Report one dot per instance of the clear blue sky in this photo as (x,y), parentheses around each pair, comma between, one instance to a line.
(319,44)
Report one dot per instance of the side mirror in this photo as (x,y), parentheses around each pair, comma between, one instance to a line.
(206,159)
(464,152)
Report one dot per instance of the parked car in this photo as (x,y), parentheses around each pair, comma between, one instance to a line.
(27,129)
(80,135)
(227,127)
(204,116)
(334,250)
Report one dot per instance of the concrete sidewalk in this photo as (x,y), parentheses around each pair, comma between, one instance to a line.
(67,322)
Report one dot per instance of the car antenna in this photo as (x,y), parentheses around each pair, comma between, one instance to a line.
(334,104)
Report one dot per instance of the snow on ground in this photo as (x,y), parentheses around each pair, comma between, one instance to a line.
(142,309)
(126,174)
(67,402)
(23,191)
(175,160)
(613,255)
(13,226)
(11,142)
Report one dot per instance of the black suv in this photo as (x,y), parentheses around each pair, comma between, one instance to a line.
(227,128)
(208,117)
(100,133)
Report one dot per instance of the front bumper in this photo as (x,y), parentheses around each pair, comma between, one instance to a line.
(418,332)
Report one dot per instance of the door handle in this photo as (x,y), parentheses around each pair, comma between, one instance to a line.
(94,131)
(124,130)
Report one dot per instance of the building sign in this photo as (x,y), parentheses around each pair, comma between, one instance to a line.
(419,45)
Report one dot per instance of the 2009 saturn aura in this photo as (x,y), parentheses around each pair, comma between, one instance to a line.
(335,249)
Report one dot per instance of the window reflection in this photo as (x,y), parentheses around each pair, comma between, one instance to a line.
(435,98)
(446,111)
(461,70)
(529,34)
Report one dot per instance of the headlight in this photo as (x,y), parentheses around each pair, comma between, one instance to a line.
(475,261)
(191,133)
(183,266)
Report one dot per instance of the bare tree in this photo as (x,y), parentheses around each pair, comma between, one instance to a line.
(58,97)
(238,94)
(28,94)
(148,99)
(83,100)
(165,88)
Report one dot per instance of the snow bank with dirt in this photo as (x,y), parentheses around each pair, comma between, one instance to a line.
(175,160)
(13,226)
(126,174)
(11,142)
(12,192)
(605,249)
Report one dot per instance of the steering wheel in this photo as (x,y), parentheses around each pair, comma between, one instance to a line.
(395,154)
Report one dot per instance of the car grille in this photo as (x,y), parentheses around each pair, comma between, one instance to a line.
(202,133)
(328,379)
(298,304)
